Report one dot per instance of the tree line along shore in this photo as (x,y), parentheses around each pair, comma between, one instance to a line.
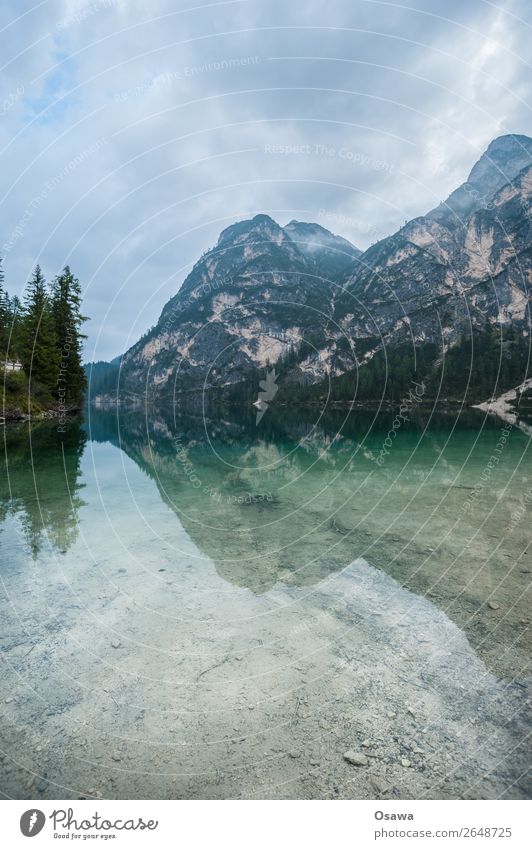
(41,345)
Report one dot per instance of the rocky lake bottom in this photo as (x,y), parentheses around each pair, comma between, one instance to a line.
(204,607)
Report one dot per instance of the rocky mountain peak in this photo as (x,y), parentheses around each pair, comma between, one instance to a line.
(328,254)
(301,295)
(314,237)
(306,228)
(261,226)
(505,157)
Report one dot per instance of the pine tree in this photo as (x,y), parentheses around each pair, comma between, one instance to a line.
(4,316)
(66,310)
(16,320)
(40,356)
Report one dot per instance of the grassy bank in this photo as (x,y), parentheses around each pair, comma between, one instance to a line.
(20,400)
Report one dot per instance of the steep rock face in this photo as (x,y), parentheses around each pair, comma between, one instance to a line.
(505,157)
(251,299)
(263,290)
(498,247)
(330,255)
(441,274)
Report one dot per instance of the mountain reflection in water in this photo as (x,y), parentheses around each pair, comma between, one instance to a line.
(200,607)
(300,497)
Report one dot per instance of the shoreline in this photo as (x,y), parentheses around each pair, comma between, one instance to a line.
(17,416)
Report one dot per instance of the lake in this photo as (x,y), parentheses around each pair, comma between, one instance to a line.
(203,606)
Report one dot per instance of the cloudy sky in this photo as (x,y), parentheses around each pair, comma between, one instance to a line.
(133,131)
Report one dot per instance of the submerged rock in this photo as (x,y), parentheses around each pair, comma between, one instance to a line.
(379,786)
(356,758)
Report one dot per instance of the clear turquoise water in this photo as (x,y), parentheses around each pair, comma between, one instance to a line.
(203,597)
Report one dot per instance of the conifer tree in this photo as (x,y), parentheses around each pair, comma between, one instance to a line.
(66,310)
(16,317)
(4,316)
(39,351)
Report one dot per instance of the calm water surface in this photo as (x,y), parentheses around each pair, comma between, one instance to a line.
(202,606)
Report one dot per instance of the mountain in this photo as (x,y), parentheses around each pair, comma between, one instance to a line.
(258,294)
(318,309)
(331,255)
(464,264)
(505,157)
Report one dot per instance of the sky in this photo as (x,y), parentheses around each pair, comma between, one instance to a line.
(133,131)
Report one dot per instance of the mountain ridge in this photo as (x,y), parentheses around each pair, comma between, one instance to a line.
(308,299)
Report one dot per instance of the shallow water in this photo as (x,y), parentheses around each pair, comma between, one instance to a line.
(205,607)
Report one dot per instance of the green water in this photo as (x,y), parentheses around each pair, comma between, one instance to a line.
(203,606)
